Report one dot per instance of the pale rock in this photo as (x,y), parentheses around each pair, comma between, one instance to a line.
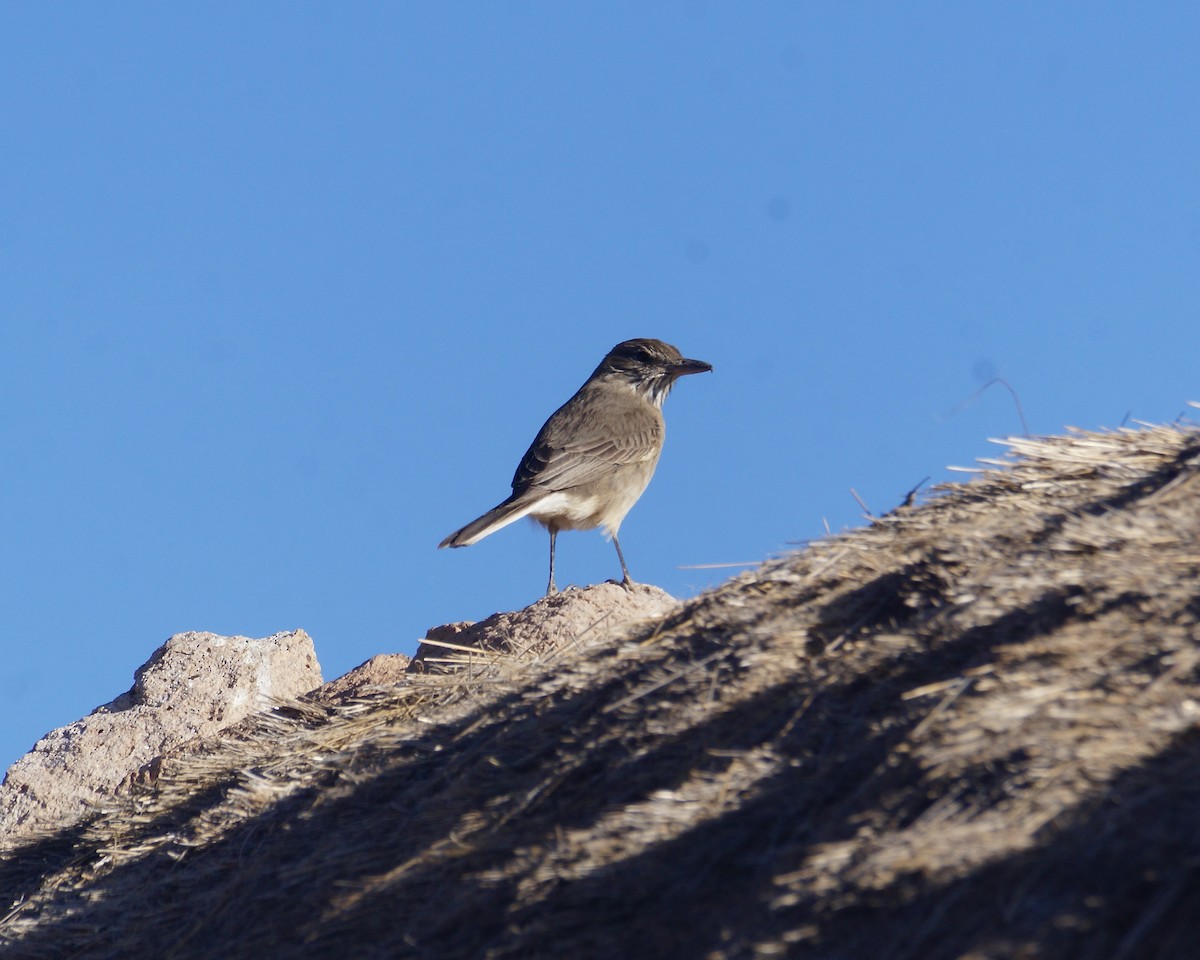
(384,670)
(194,685)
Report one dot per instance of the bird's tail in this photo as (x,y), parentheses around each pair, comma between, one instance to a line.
(511,510)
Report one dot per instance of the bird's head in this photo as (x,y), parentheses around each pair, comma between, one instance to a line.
(651,367)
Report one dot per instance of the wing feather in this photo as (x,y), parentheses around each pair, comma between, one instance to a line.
(586,437)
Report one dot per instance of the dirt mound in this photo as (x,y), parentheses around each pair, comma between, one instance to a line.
(552,625)
(969,729)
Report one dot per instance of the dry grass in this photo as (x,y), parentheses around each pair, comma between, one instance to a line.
(968,730)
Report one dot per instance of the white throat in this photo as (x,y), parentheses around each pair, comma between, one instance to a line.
(655,390)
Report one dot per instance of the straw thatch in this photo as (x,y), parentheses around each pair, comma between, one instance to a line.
(967,730)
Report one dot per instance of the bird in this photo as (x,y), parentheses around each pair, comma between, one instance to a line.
(594,457)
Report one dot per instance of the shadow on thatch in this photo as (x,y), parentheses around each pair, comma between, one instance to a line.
(969,729)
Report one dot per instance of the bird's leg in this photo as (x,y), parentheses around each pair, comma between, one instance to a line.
(627,581)
(550,587)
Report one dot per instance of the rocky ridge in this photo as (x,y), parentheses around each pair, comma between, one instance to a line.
(969,729)
(198,687)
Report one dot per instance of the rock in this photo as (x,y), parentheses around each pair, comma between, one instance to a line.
(384,670)
(194,685)
(554,621)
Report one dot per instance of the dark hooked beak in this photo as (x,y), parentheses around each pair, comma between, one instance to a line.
(684,367)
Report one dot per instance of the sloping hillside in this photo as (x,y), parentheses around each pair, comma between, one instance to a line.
(969,729)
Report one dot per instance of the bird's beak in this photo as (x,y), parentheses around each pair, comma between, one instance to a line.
(685,367)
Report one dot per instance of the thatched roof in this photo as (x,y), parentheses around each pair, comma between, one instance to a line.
(968,729)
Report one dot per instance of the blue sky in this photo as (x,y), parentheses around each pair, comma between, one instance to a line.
(288,288)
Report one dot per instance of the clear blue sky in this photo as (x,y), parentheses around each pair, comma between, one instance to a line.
(288,288)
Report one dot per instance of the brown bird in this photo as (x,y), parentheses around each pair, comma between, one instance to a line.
(596,454)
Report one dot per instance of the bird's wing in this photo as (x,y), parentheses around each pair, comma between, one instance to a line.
(586,437)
